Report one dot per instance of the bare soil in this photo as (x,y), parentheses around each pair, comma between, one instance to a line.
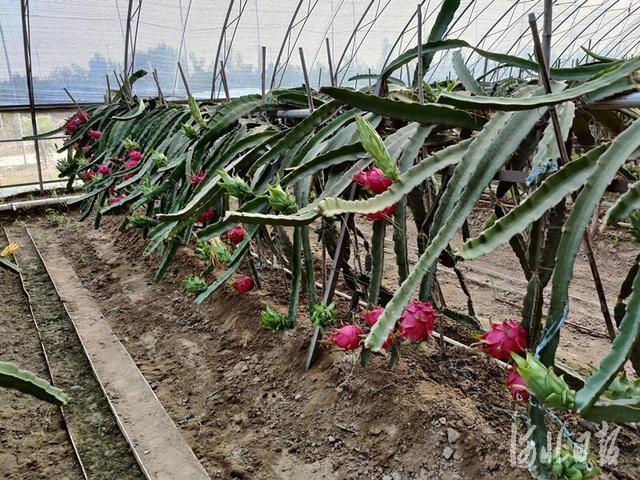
(244,403)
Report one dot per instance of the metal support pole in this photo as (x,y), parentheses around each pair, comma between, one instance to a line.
(225,85)
(26,40)
(108,88)
(220,42)
(420,66)
(307,85)
(544,76)
(127,87)
(184,80)
(263,75)
(156,78)
(332,77)
(546,31)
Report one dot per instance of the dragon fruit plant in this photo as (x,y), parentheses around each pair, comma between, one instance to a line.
(195,284)
(235,186)
(572,463)
(274,320)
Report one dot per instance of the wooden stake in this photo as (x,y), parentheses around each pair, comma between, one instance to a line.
(156,78)
(72,99)
(108,88)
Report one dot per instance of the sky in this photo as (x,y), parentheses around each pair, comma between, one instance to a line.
(71,32)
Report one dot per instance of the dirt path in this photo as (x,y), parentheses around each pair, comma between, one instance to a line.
(248,410)
(102,449)
(33,440)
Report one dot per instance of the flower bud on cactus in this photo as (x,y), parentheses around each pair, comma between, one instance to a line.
(243,284)
(159,159)
(235,186)
(274,320)
(94,134)
(417,321)
(544,384)
(104,169)
(373,180)
(374,146)
(129,145)
(348,337)
(235,235)
(574,463)
(517,386)
(383,215)
(280,200)
(189,131)
(135,155)
(503,339)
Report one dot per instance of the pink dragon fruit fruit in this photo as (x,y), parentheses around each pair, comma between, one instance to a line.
(104,169)
(88,175)
(417,321)
(86,149)
(83,117)
(135,155)
(348,337)
(382,214)
(128,176)
(243,284)
(115,200)
(373,180)
(517,386)
(130,164)
(235,235)
(196,178)
(207,216)
(371,316)
(94,134)
(504,338)
(71,126)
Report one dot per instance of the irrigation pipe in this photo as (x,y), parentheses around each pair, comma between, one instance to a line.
(13,206)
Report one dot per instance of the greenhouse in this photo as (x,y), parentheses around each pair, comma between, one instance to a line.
(366,239)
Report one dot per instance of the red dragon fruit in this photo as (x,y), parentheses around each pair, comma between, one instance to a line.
(517,386)
(94,134)
(115,200)
(71,126)
(196,178)
(128,176)
(243,284)
(104,169)
(88,175)
(207,216)
(382,214)
(348,337)
(235,235)
(130,164)
(135,155)
(504,338)
(371,316)
(417,321)
(83,117)
(373,180)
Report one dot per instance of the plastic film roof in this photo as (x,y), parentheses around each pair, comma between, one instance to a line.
(76,44)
